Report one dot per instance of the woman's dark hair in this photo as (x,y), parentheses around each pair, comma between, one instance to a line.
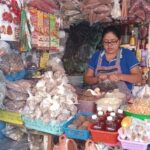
(114,29)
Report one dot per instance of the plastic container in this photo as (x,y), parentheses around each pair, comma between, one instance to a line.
(76,133)
(107,101)
(103,136)
(87,106)
(52,127)
(131,145)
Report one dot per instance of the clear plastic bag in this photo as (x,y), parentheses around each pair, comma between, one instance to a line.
(2,88)
(106,85)
(13,132)
(15,106)
(20,85)
(4,63)
(35,141)
(4,48)
(16,62)
(15,95)
(11,63)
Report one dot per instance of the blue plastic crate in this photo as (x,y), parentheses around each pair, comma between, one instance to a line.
(76,133)
(53,127)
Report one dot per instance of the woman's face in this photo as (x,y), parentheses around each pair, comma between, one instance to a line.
(111,43)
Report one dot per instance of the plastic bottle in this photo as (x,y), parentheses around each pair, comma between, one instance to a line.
(115,117)
(94,118)
(120,116)
(111,124)
(109,110)
(101,115)
(95,122)
(120,113)
(102,119)
(132,40)
(113,114)
(99,108)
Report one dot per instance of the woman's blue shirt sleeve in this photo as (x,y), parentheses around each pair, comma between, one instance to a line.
(93,61)
(131,60)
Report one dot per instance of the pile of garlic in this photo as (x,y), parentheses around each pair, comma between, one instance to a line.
(52,98)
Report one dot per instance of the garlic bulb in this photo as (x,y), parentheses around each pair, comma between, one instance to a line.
(116,11)
(40,84)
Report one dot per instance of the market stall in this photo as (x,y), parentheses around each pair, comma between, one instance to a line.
(44,49)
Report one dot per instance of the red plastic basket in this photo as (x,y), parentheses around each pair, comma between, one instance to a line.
(103,136)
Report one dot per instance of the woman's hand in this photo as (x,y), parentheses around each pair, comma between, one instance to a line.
(114,77)
(102,77)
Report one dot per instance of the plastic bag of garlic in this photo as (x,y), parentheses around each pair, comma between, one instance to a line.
(52,98)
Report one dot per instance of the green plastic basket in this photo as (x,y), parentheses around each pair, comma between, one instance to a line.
(139,116)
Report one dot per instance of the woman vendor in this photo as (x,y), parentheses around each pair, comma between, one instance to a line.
(113,65)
